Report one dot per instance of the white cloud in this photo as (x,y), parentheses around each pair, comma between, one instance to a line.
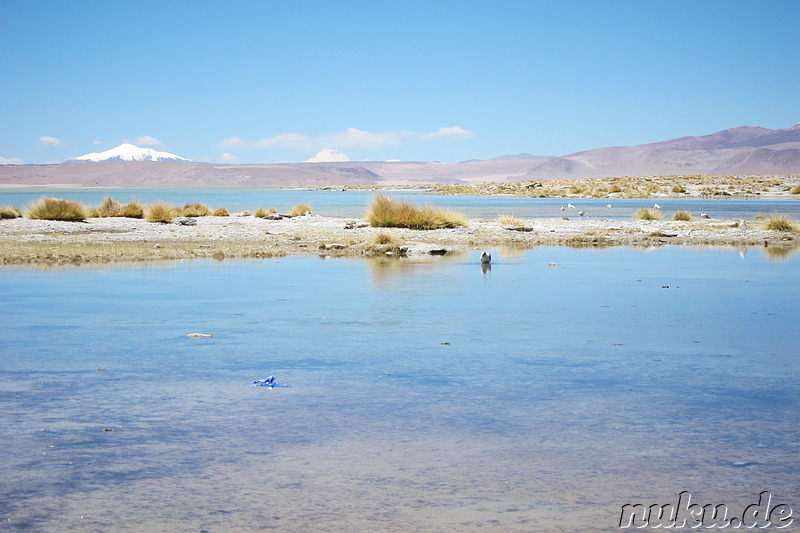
(328,155)
(285,140)
(351,137)
(451,131)
(232,141)
(97,142)
(357,137)
(11,161)
(49,141)
(228,157)
(327,145)
(146,140)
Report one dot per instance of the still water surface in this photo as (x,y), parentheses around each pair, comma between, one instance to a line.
(425,394)
(354,203)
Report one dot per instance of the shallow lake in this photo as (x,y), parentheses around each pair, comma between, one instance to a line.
(353,204)
(425,394)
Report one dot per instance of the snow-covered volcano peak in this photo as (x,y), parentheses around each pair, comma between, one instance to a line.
(128,152)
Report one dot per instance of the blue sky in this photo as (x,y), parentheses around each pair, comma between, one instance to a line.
(269,81)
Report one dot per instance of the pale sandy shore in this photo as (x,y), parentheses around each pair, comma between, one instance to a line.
(123,239)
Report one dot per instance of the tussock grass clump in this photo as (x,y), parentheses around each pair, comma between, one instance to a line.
(263,213)
(132,209)
(795,190)
(385,238)
(646,213)
(56,209)
(384,212)
(510,220)
(683,216)
(678,188)
(221,212)
(112,208)
(108,208)
(778,222)
(300,210)
(160,212)
(386,243)
(196,209)
(8,211)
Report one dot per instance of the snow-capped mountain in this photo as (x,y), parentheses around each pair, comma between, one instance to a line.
(128,152)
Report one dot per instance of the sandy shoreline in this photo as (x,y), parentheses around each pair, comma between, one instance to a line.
(123,239)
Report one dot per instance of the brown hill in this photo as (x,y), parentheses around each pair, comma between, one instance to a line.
(743,150)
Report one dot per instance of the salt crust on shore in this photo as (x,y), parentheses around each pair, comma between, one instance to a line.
(120,239)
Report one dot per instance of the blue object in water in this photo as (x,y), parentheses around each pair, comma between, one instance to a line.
(268,382)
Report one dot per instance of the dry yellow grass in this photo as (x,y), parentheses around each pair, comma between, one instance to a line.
(510,220)
(160,212)
(8,211)
(133,209)
(779,222)
(300,210)
(701,185)
(56,209)
(108,208)
(383,212)
(196,209)
(646,213)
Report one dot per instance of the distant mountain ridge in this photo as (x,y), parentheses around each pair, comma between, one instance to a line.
(127,152)
(742,150)
(745,150)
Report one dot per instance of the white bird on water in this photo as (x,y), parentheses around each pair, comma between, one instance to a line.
(656,206)
(571,206)
(562,208)
(486,258)
(703,214)
(608,206)
(581,213)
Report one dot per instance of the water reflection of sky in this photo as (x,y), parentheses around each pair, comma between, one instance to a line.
(424,394)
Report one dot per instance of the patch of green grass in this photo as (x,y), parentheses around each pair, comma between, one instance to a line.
(683,216)
(8,211)
(160,212)
(300,210)
(56,209)
(647,213)
(384,212)
(779,222)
